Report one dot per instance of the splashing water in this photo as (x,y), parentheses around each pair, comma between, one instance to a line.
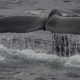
(43,42)
(73,61)
(40,46)
(11,55)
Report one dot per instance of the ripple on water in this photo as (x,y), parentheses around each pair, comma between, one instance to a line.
(73,75)
(45,78)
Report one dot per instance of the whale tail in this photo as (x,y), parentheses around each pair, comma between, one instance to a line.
(55,12)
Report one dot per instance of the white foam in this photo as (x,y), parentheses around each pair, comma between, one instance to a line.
(28,54)
(73,61)
(38,56)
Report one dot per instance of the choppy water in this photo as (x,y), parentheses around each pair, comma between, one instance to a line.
(43,41)
(28,65)
(29,56)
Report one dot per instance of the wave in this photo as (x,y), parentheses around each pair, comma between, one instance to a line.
(14,55)
(73,61)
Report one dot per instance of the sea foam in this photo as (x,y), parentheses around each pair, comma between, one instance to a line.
(13,55)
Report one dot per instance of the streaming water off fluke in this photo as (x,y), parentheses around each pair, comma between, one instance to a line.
(41,46)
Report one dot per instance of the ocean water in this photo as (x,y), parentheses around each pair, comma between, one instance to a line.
(34,56)
(26,64)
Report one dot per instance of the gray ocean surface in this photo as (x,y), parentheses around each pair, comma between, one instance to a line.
(28,65)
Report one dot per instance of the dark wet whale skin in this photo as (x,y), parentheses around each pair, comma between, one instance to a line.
(55,22)
(21,24)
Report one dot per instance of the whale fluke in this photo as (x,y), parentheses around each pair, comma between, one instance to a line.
(56,22)
(21,24)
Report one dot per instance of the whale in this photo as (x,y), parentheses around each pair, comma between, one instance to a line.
(21,24)
(57,22)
